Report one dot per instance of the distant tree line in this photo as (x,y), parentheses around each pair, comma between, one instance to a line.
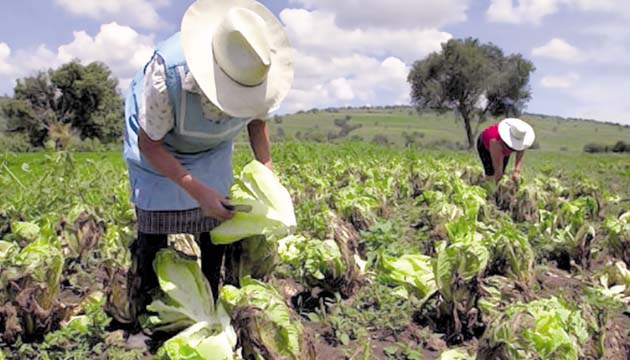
(619,147)
(73,104)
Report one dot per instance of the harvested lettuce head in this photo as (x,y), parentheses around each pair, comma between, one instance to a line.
(272,208)
(188,304)
(541,329)
(267,327)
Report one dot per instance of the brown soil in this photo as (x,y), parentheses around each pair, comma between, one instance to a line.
(327,346)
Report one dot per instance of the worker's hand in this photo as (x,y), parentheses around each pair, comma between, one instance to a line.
(516,175)
(497,177)
(269,165)
(212,204)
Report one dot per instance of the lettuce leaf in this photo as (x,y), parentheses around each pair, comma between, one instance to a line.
(187,295)
(188,303)
(542,329)
(272,208)
(268,323)
(415,272)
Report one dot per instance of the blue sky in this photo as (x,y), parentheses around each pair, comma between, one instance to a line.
(354,52)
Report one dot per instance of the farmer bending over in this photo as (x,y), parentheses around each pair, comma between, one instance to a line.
(228,67)
(497,142)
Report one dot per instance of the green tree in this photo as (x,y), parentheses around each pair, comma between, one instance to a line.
(88,100)
(83,97)
(473,80)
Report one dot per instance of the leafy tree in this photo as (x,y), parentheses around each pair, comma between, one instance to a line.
(88,100)
(82,97)
(473,80)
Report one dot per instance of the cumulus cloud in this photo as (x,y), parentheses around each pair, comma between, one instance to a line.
(533,11)
(349,80)
(5,53)
(330,39)
(123,49)
(393,14)
(137,13)
(559,49)
(559,81)
(340,66)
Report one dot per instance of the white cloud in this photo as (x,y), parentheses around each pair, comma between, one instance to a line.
(351,80)
(329,39)
(559,49)
(392,14)
(533,11)
(123,49)
(342,89)
(140,13)
(560,81)
(340,62)
(5,53)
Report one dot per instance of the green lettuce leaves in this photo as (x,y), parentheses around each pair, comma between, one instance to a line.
(541,329)
(272,208)
(187,302)
(266,323)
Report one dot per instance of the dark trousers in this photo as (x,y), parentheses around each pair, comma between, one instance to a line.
(486,158)
(142,280)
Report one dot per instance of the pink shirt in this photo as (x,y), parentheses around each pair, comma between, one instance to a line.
(492,132)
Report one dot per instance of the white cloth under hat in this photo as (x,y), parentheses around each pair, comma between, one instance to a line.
(239,54)
(517,134)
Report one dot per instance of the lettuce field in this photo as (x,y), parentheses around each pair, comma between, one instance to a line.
(353,251)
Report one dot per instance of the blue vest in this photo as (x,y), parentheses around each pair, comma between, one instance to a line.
(202,146)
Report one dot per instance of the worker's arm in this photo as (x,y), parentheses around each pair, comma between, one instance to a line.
(259,140)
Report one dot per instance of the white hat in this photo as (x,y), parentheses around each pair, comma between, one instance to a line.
(239,54)
(517,134)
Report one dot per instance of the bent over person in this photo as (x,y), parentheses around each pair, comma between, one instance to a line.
(228,67)
(497,142)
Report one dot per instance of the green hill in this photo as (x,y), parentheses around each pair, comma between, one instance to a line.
(395,124)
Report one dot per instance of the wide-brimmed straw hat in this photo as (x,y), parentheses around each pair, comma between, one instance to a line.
(239,54)
(517,134)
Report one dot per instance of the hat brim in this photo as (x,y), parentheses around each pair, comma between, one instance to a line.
(198,27)
(516,144)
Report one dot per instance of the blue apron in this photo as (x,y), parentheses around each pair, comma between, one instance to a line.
(203,146)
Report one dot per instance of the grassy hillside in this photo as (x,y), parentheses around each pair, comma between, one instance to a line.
(554,133)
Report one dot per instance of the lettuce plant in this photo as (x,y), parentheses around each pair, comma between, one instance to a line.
(187,303)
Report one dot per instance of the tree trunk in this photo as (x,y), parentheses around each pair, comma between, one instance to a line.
(469,135)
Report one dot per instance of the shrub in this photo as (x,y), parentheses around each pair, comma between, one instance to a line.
(380,140)
(593,148)
(15,142)
(621,147)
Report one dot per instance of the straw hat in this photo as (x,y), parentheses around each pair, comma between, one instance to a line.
(517,134)
(239,54)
